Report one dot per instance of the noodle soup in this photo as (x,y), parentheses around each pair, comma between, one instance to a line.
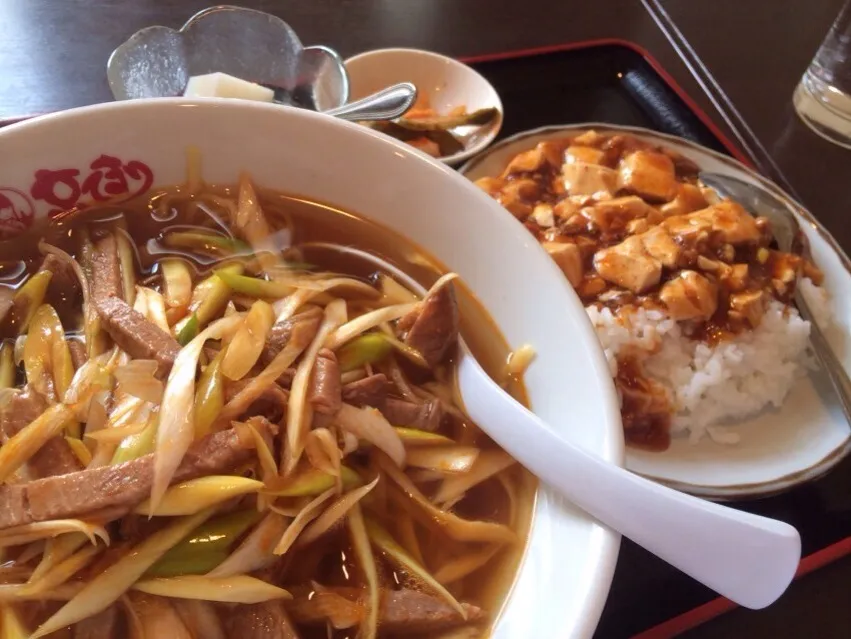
(264,427)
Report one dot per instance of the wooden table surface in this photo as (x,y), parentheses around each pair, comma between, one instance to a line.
(53,55)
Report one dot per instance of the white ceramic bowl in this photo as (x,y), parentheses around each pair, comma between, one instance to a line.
(78,156)
(447,82)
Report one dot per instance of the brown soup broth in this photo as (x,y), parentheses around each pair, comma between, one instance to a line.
(329,561)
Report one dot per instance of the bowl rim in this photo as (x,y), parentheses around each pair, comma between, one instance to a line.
(426,53)
(479,147)
(604,543)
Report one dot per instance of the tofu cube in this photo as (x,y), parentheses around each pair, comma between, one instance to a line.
(629,265)
(689,198)
(569,260)
(222,85)
(690,296)
(582,178)
(648,174)
(730,221)
(687,228)
(617,212)
(751,304)
(543,215)
(586,154)
(660,245)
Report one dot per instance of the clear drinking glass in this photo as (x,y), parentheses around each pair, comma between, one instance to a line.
(823,96)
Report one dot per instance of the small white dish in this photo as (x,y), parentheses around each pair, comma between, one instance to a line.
(447,83)
(247,44)
(781,448)
(76,157)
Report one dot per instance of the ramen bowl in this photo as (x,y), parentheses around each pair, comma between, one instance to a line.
(115,151)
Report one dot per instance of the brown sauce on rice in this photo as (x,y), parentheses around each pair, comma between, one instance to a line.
(631,226)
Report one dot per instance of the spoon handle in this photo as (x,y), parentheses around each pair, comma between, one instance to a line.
(826,357)
(748,559)
(386,104)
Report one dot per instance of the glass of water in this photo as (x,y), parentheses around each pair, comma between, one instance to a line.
(823,96)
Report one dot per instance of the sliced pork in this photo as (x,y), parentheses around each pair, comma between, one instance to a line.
(78,352)
(402,611)
(136,335)
(105,269)
(325,392)
(124,485)
(426,416)
(107,624)
(55,457)
(434,324)
(64,288)
(267,620)
(271,403)
(281,332)
(369,391)
(127,327)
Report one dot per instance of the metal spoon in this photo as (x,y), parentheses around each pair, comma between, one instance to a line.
(386,104)
(790,239)
(747,558)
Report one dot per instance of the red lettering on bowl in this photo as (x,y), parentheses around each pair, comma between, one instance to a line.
(59,188)
(108,179)
(16,212)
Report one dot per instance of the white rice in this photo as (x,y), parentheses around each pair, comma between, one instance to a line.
(712,384)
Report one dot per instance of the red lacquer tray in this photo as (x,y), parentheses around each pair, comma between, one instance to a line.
(619,82)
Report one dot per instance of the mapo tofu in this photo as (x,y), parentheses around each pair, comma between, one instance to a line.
(632,227)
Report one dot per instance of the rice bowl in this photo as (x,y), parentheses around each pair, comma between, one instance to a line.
(776,447)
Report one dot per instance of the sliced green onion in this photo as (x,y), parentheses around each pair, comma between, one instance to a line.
(28,298)
(254,286)
(384,541)
(189,330)
(366,349)
(205,547)
(210,297)
(416,437)
(177,283)
(207,242)
(315,482)
(209,396)
(138,445)
(7,365)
